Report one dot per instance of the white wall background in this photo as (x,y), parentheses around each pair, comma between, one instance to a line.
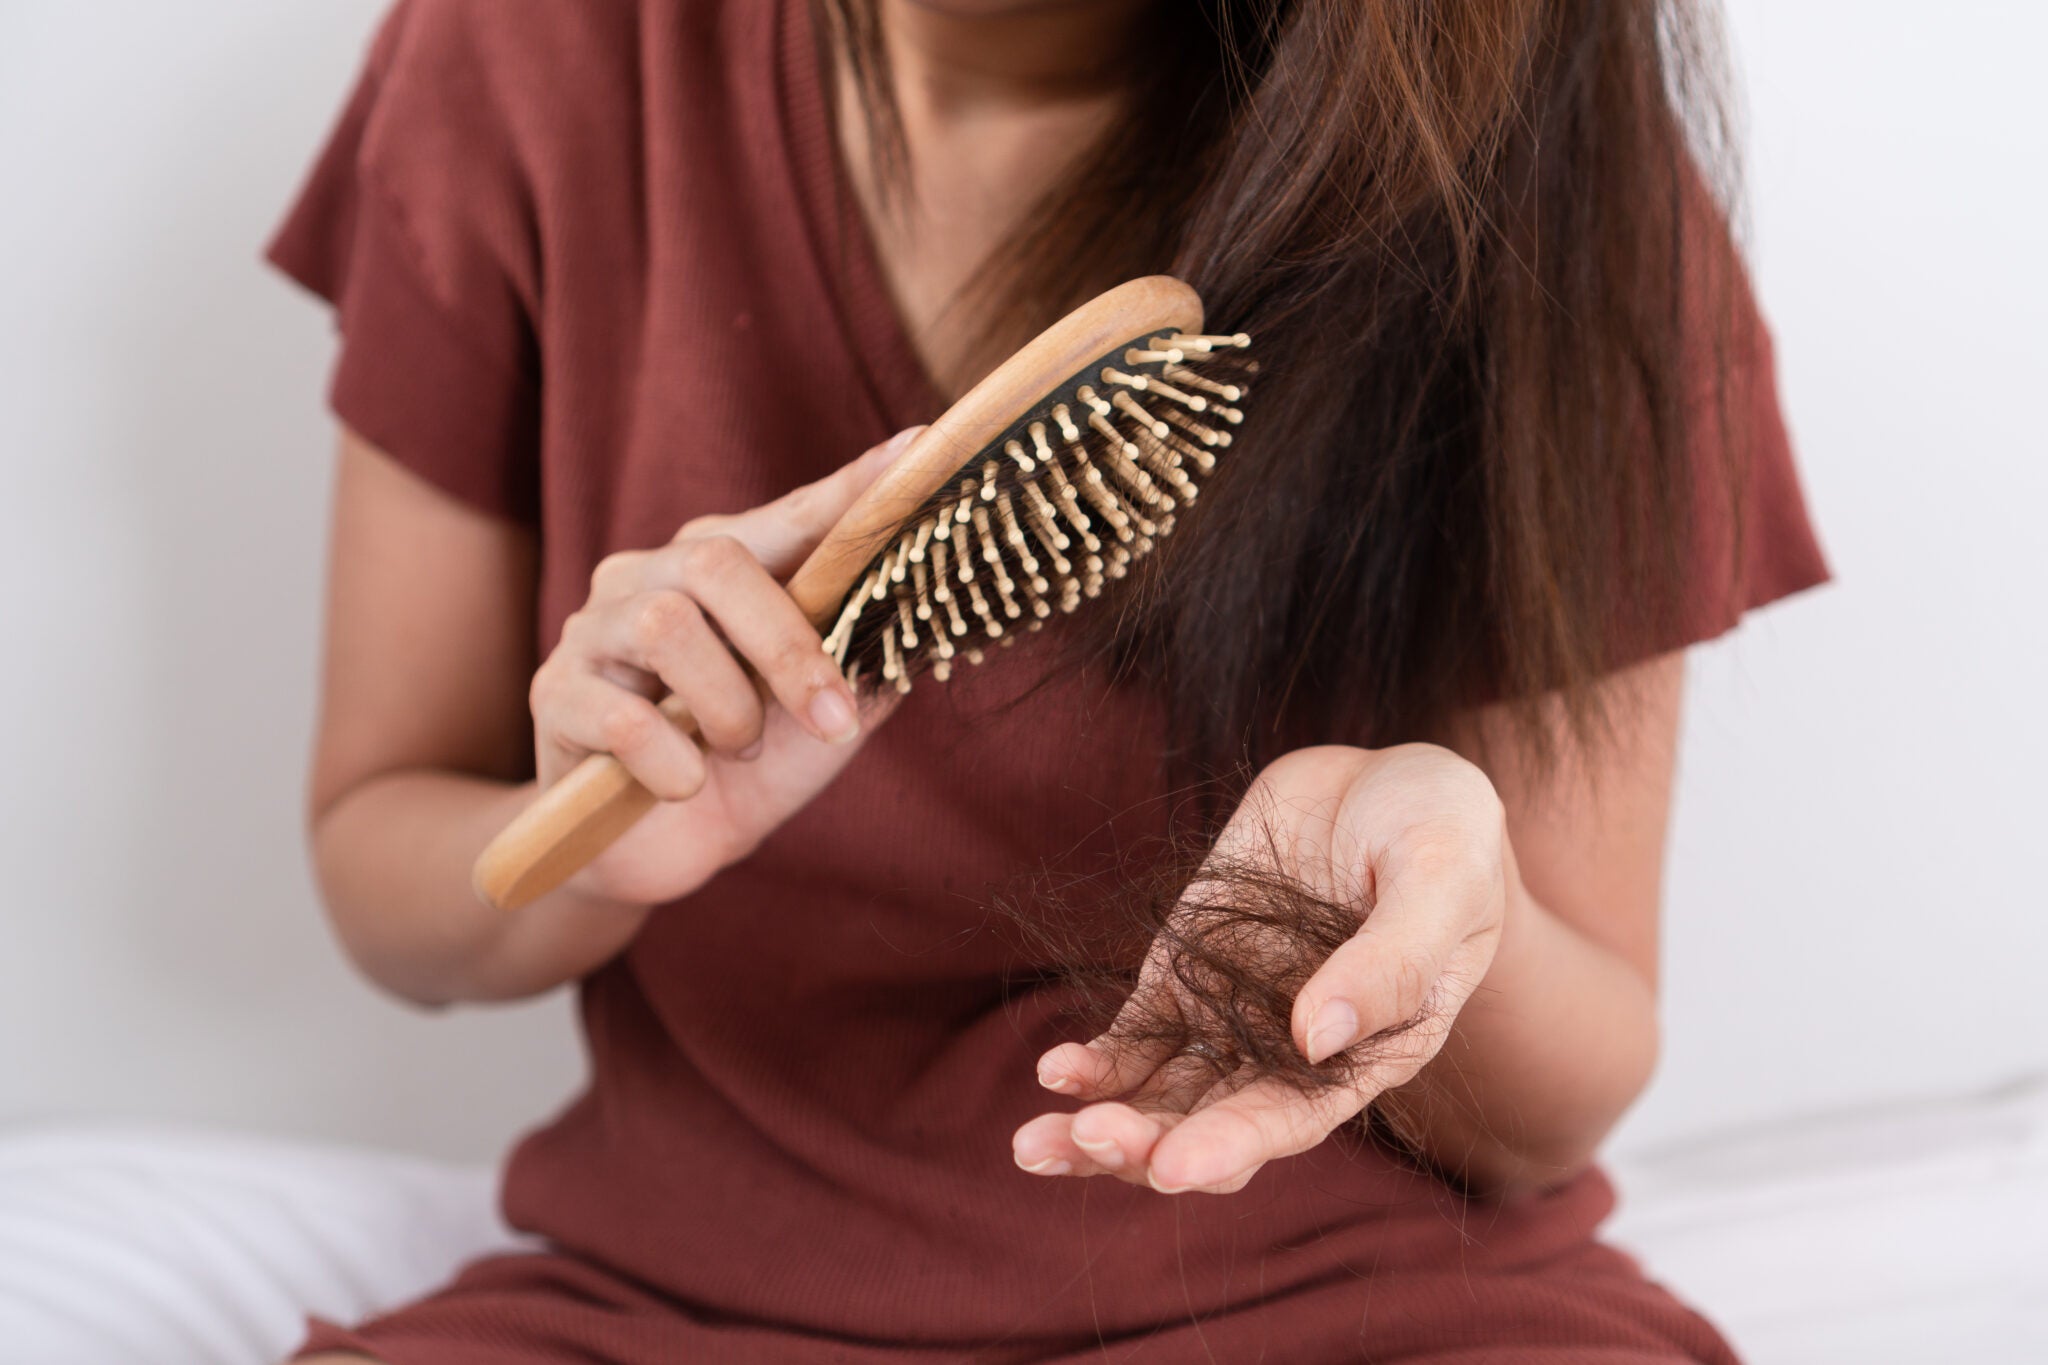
(1856,910)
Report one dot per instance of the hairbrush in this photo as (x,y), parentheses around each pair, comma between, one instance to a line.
(1041,486)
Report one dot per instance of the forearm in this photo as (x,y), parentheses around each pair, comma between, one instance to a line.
(393,857)
(1557,1042)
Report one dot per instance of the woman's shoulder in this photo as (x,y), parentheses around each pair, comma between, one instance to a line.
(504,121)
(554,47)
(547,96)
(488,194)
(509,64)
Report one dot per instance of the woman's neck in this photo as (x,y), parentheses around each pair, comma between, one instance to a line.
(959,57)
(994,99)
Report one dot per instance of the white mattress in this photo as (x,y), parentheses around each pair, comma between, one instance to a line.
(1911,1235)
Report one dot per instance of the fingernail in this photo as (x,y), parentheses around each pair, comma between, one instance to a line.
(1050,1165)
(1052,1079)
(752,751)
(900,442)
(833,714)
(1205,1169)
(1332,1030)
(1152,1179)
(1104,1152)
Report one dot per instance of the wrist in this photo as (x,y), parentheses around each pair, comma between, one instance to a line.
(1521,929)
(557,938)
(594,890)
(562,937)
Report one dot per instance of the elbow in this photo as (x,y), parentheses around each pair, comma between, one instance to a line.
(1566,1154)
(1505,1173)
(1518,1165)
(419,998)
(392,973)
(1510,1174)
(396,973)
(1635,1064)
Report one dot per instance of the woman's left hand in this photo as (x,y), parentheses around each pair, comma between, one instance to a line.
(1417,833)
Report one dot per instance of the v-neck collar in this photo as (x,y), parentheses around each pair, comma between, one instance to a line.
(842,248)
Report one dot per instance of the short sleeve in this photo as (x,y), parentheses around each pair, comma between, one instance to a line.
(1751,538)
(415,226)
(1769,550)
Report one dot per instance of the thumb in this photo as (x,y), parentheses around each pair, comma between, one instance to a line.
(876,458)
(782,532)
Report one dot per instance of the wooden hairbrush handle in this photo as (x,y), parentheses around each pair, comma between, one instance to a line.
(568,825)
(580,816)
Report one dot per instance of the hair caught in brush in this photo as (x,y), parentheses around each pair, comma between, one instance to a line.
(1232,934)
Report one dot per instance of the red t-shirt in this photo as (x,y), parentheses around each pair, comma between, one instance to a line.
(597,270)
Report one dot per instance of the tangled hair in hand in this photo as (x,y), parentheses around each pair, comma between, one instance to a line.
(1232,936)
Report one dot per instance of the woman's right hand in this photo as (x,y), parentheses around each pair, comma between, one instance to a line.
(684,618)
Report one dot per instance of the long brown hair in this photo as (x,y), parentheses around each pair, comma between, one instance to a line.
(1489,288)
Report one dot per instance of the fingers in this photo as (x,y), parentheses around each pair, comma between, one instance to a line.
(1394,968)
(1439,889)
(1105,1139)
(587,714)
(1379,978)
(1114,1141)
(1219,1149)
(1219,1146)
(724,582)
(1120,1138)
(667,634)
(1156,1086)
(1104,1066)
(724,572)
(687,615)
(1219,1141)
(1118,1060)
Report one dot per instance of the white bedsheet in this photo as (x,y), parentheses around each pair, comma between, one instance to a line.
(178,1248)
(1912,1235)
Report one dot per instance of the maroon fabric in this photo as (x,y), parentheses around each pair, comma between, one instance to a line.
(596,269)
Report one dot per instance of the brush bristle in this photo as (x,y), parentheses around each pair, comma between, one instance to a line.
(1047,514)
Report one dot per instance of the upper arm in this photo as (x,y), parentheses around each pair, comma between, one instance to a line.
(1589,830)
(429,642)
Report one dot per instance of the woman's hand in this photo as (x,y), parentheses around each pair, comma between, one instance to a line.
(1416,833)
(686,618)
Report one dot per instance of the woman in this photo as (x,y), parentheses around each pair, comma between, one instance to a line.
(604,271)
